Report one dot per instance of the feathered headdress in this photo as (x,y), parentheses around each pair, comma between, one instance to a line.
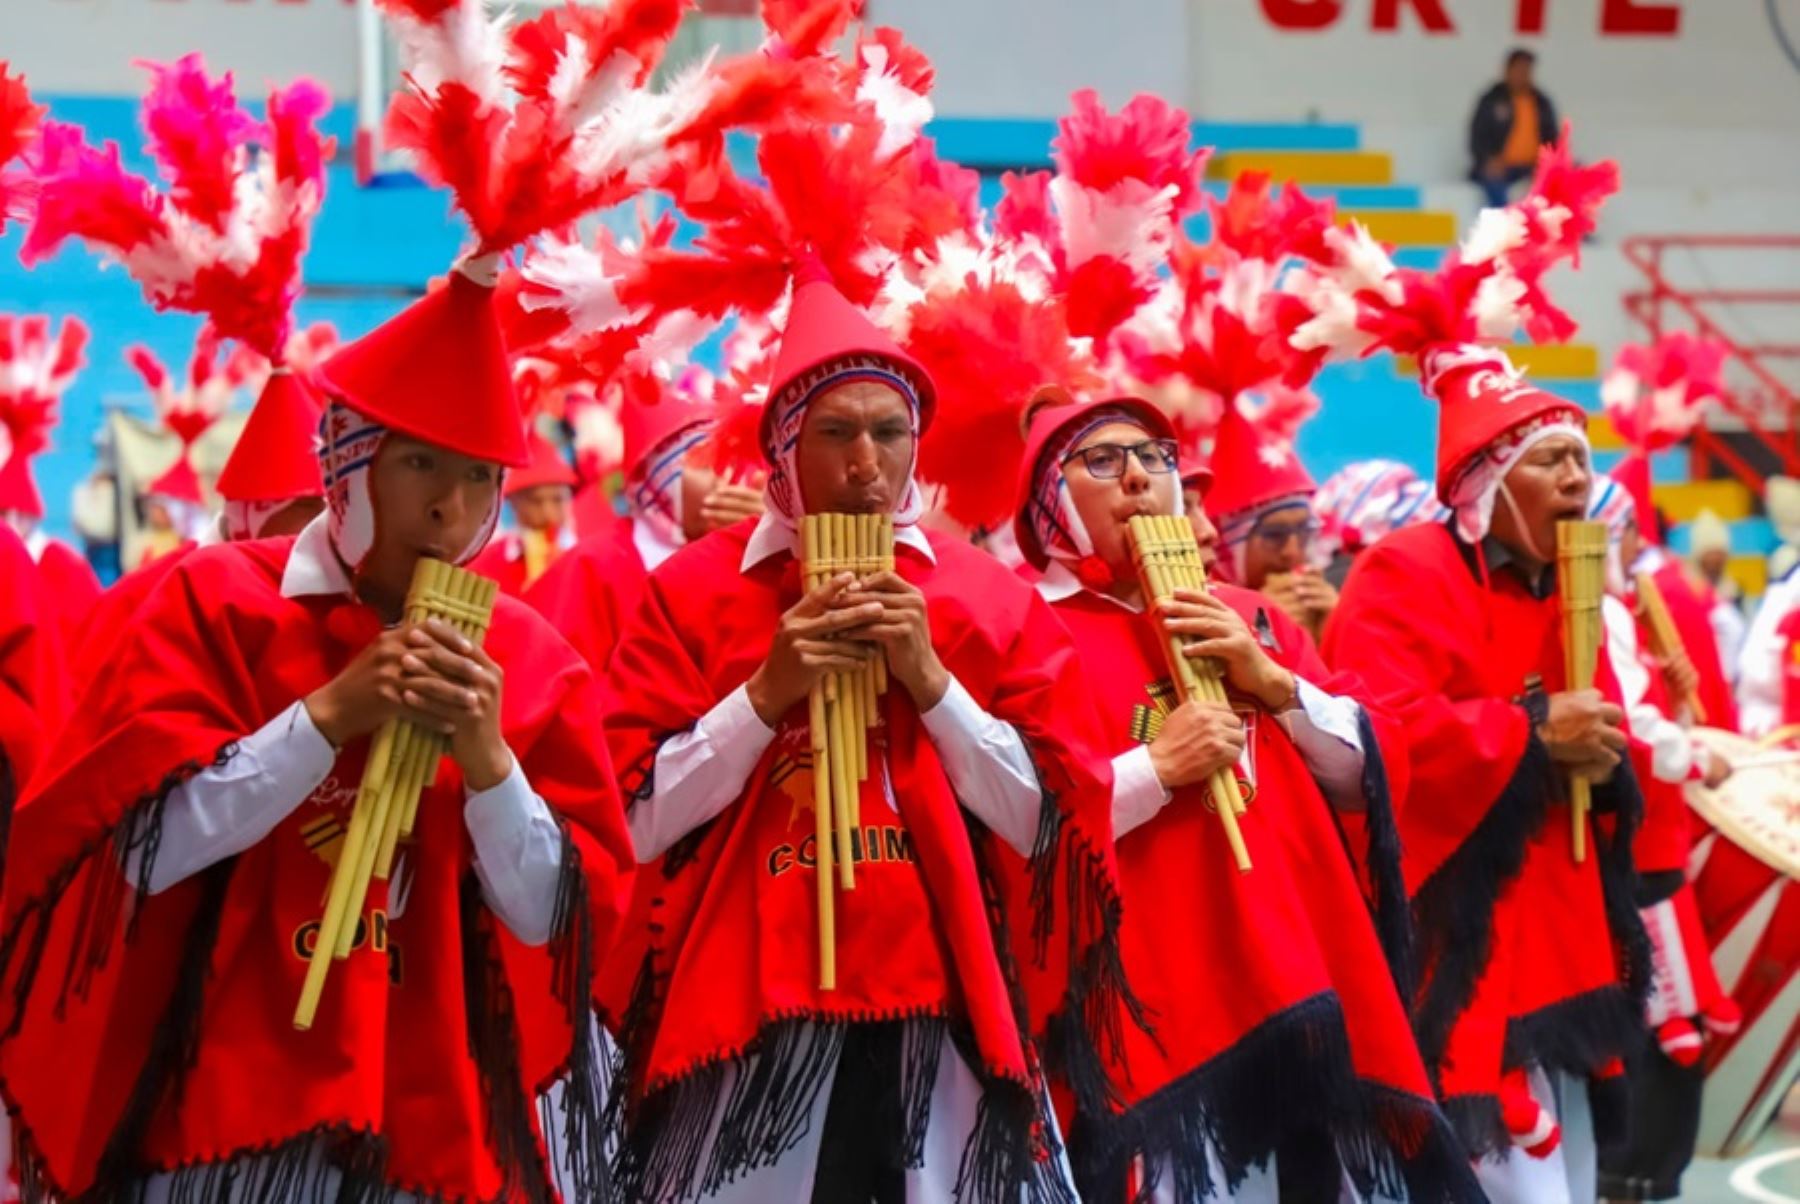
(189,412)
(1654,396)
(1123,184)
(224,233)
(1355,301)
(19,121)
(36,369)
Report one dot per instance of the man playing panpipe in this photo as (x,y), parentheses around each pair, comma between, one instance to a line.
(914,1076)
(1281,1063)
(1686,1002)
(1264,507)
(1533,960)
(172,861)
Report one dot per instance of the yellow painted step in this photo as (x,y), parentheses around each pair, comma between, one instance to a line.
(1682,502)
(1307,167)
(1406,227)
(1603,434)
(1750,572)
(1565,361)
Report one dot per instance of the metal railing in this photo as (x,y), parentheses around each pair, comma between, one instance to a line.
(1770,407)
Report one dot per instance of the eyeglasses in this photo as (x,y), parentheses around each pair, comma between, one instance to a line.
(1277,535)
(1106,461)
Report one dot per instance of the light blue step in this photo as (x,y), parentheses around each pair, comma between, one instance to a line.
(1001,143)
(1666,468)
(1749,537)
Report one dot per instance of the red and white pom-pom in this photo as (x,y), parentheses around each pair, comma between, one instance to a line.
(894,80)
(36,369)
(311,346)
(1250,223)
(1527,1122)
(599,435)
(1654,395)
(579,129)
(1122,186)
(188,412)
(581,282)
(225,236)
(989,347)
(19,122)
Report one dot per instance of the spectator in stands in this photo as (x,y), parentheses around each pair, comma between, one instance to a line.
(1512,120)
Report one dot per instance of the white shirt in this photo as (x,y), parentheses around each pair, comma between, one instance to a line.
(1325,728)
(1672,751)
(1760,665)
(700,772)
(226,809)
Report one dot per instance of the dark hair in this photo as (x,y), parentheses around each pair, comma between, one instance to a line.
(1519,54)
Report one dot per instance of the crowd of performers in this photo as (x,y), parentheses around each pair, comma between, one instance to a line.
(1255,876)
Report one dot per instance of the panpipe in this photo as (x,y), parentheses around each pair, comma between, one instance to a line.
(1580,583)
(1168,559)
(842,709)
(403,761)
(1665,639)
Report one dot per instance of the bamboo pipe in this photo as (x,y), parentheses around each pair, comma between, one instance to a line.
(1665,637)
(1158,548)
(821,781)
(1581,581)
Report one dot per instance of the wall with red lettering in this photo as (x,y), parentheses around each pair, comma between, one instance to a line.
(1678,89)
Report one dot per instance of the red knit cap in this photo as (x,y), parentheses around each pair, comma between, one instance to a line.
(1481,397)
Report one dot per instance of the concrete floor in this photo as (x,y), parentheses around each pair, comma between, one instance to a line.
(1769,1174)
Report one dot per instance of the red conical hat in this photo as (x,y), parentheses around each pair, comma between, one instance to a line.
(547,467)
(1045,424)
(18,492)
(437,371)
(1481,397)
(648,426)
(1633,475)
(179,482)
(823,331)
(277,456)
(1253,466)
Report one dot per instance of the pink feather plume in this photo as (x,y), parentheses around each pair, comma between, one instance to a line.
(1655,395)
(19,122)
(225,236)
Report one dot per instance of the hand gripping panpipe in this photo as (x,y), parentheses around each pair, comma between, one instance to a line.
(403,760)
(1665,639)
(1580,583)
(843,707)
(1168,558)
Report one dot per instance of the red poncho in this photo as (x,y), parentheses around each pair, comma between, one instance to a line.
(33,682)
(69,579)
(111,615)
(1528,957)
(1691,609)
(591,591)
(727,967)
(153,1033)
(1278,1026)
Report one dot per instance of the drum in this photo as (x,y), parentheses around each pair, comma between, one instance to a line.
(1744,876)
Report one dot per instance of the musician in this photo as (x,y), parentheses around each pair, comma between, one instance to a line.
(171,862)
(1686,997)
(1534,962)
(673,495)
(1278,1053)
(1769,666)
(915,1077)
(539,496)
(1263,504)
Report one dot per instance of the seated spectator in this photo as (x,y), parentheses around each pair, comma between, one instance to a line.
(1512,120)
